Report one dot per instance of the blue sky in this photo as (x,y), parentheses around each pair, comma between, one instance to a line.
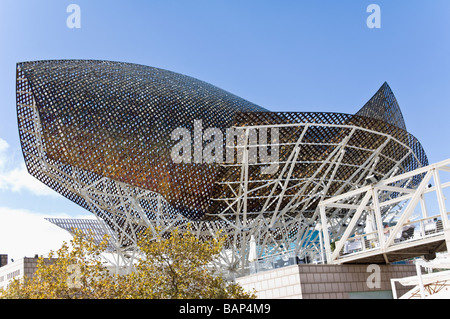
(282,55)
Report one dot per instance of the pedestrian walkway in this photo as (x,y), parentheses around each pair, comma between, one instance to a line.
(388,221)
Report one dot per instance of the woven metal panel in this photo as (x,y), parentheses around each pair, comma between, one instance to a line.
(95,229)
(383,106)
(324,133)
(115,120)
(98,121)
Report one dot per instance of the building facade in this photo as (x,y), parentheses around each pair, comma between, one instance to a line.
(328,281)
(17,269)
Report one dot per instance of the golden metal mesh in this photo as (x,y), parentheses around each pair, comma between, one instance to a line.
(97,119)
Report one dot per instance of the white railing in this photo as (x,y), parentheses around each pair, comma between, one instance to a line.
(284,259)
(411,231)
(385,216)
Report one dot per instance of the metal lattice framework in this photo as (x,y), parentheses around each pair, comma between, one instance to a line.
(96,229)
(391,220)
(118,258)
(99,133)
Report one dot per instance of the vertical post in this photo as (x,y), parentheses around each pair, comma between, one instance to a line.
(419,276)
(325,234)
(442,209)
(394,289)
(322,253)
(423,206)
(244,180)
(246,168)
(378,220)
(440,198)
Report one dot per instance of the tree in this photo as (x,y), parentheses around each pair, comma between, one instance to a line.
(75,271)
(180,267)
(177,266)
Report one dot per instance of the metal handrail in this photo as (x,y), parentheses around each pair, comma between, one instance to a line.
(423,228)
(284,259)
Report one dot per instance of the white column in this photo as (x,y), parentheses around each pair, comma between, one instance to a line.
(326,237)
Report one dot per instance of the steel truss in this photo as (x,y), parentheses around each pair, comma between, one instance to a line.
(390,216)
(287,220)
(435,284)
(119,171)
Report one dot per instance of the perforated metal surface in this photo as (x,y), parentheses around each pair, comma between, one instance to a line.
(99,133)
(318,136)
(115,120)
(92,228)
(383,106)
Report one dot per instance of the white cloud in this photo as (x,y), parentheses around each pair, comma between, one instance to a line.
(17,178)
(25,233)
